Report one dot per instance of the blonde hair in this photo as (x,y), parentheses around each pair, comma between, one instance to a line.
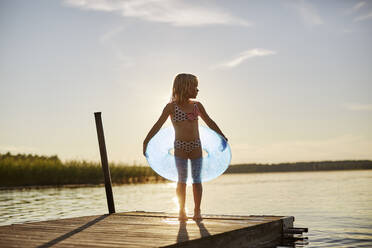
(181,86)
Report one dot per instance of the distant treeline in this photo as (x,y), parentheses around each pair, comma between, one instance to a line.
(34,170)
(302,166)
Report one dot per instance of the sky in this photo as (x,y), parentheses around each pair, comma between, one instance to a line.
(285,80)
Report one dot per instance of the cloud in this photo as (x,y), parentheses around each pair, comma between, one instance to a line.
(363,17)
(173,12)
(348,30)
(257,52)
(358,107)
(308,13)
(359,5)
(356,8)
(109,36)
(108,40)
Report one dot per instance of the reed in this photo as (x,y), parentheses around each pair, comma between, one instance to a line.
(34,170)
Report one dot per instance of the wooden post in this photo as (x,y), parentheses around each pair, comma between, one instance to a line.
(105,167)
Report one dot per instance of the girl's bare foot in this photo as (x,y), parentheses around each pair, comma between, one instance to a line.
(182,215)
(197,215)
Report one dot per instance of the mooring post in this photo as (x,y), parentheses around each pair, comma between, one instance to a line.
(105,167)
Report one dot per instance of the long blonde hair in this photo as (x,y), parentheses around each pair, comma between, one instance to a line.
(181,86)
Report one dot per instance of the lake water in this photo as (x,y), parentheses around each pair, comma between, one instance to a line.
(336,206)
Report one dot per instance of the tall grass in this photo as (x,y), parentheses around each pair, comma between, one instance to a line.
(32,170)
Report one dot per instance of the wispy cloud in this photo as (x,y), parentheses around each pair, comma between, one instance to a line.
(308,13)
(109,36)
(358,107)
(357,8)
(359,5)
(348,30)
(363,17)
(257,52)
(173,12)
(108,40)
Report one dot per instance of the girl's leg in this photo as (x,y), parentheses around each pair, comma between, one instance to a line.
(198,191)
(196,167)
(181,194)
(181,164)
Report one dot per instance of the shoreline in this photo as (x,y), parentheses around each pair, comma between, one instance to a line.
(72,186)
(301,166)
(152,181)
(289,171)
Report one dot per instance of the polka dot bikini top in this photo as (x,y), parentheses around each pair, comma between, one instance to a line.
(180,115)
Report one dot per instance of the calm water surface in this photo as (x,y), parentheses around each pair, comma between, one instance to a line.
(335,206)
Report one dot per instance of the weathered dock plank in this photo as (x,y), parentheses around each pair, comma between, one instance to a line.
(147,229)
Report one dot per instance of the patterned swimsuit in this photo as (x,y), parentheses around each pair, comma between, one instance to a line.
(179,115)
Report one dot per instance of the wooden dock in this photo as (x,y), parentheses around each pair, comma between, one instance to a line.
(148,229)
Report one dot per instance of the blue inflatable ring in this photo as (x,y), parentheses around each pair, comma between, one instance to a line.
(216,154)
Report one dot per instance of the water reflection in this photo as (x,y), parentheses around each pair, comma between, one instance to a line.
(18,206)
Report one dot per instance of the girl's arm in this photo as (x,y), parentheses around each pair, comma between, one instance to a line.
(164,116)
(210,123)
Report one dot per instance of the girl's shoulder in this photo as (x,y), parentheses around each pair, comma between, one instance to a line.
(198,104)
(170,107)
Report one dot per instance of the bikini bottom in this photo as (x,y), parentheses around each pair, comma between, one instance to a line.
(187,146)
(196,167)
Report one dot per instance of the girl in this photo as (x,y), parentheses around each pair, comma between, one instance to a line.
(184,116)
